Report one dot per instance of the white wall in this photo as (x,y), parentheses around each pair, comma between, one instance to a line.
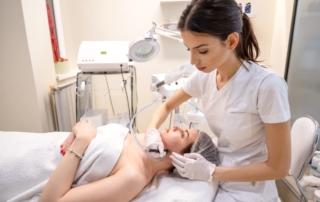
(25,67)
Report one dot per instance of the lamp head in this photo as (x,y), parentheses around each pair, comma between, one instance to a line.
(144,48)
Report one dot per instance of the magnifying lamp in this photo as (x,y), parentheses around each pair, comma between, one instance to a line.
(147,47)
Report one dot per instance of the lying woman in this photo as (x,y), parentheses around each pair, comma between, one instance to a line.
(103,164)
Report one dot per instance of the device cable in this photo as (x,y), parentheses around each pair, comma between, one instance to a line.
(125,89)
(110,95)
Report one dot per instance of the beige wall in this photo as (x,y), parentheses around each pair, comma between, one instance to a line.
(25,67)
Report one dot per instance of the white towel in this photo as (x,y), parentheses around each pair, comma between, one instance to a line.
(165,187)
(27,160)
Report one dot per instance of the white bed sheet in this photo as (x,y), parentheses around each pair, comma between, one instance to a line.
(168,188)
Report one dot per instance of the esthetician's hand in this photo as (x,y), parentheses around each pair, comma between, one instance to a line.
(83,130)
(193,166)
(152,140)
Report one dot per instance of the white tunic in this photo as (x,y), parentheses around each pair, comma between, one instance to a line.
(236,115)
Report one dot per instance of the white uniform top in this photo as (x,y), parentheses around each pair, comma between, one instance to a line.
(236,115)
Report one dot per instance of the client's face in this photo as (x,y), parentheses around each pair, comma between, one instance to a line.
(176,139)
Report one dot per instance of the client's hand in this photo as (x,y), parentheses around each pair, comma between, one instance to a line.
(193,166)
(82,129)
(152,140)
(85,130)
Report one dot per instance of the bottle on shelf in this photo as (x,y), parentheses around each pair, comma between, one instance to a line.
(247,8)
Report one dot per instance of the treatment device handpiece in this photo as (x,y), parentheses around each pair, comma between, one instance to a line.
(157,151)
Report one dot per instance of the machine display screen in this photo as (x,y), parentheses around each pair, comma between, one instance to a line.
(103,53)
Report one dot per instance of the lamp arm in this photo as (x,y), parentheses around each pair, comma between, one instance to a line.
(155,28)
(174,75)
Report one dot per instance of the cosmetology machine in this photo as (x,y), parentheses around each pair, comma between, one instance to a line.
(103,58)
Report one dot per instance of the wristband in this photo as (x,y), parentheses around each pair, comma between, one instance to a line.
(77,155)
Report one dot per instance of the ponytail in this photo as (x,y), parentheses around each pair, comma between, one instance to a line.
(248,48)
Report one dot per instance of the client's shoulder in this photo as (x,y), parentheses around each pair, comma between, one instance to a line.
(134,175)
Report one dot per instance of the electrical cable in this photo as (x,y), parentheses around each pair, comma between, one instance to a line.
(85,111)
(125,89)
(110,95)
(131,88)
(135,82)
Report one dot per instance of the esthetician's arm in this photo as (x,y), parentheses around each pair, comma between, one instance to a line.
(162,112)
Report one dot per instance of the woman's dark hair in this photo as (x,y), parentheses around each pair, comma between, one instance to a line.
(220,18)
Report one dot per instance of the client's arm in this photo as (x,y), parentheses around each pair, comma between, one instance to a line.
(61,179)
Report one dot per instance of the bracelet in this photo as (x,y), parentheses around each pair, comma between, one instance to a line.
(77,155)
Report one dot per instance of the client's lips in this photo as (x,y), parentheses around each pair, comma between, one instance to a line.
(201,68)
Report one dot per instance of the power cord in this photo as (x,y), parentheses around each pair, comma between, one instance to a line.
(135,111)
(109,95)
(125,89)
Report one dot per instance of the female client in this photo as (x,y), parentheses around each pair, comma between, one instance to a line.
(103,164)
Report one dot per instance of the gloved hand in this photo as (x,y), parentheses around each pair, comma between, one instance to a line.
(193,166)
(153,140)
(308,181)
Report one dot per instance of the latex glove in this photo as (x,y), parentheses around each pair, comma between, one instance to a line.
(153,140)
(309,180)
(193,166)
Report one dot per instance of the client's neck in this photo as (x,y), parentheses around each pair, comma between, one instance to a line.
(154,166)
(151,166)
